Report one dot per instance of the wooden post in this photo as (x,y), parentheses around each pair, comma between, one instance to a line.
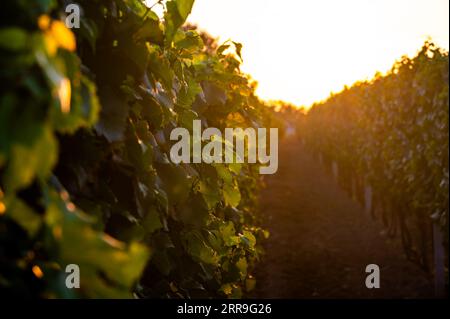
(439,262)
(354,195)
(335,169)
(367,198)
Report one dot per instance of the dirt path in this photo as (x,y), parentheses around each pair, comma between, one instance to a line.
(321,240)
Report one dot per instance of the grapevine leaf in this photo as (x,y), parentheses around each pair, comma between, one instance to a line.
(34,156)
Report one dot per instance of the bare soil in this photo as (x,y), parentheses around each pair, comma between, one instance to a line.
(321,240)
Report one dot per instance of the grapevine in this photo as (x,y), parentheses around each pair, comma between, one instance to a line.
(392,133)
(84,141)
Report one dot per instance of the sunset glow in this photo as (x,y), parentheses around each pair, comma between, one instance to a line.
(300,51)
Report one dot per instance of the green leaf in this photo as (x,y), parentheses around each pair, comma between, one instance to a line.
(176,14)
(152,222)
(23,215)
(31,157)
(248,239)
(150,31)
(188,93)
(186,117)
(137,7)
(159,66)
(84,109)
(238,47)
(222,48)
(184,8)
(152,111)
(241,265)
(224,173)
(93,251)
(229,234)
(197,248)
(235,167)
(13,39)
(231,194)
(190,41)
(210,194)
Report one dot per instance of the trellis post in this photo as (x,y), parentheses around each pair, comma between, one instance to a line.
(439,261)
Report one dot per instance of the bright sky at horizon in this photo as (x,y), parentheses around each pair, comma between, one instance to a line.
(301,51)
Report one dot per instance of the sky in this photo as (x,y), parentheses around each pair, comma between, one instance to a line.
(300,51)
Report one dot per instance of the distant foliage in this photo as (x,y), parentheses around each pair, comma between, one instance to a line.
(85,118)
(392,133)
